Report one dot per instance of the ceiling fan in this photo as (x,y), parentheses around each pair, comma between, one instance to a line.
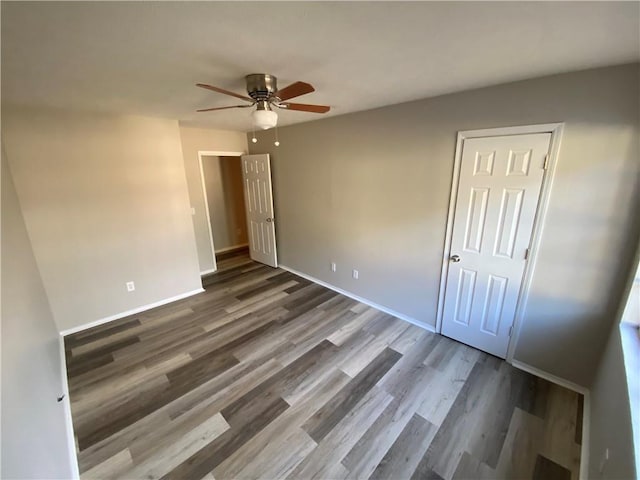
(264,94)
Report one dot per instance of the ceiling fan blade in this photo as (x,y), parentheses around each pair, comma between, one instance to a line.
(226,92)
(223,108)
(294,90)
(303,107)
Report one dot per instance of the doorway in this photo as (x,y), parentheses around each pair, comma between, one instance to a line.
(224,202)
(238,198)
(502,180)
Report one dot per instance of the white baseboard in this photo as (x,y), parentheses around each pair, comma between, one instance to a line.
(550,377)
(586,411)
(207,272)
(377,306)
(120,315)
(233,247)
(66,405)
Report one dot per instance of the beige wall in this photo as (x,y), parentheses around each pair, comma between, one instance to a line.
(225,197)
(196,140)
(34,435)
(370,190)
(105,201)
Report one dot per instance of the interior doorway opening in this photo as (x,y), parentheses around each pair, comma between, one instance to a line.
(224,202)
(239,207)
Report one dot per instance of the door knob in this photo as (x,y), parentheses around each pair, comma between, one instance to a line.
(455,258)
(269,220)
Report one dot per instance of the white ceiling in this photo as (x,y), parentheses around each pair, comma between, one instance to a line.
(145,57)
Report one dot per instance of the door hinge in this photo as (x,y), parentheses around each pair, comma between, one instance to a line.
(526,254)
(545,165)
(510,330)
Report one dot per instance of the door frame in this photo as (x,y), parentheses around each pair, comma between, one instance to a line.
(203,184)
(556,130)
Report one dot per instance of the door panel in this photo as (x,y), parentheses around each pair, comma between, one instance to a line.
(256,174)
(508,222)
(476,216)
(464,298)
(498,191)
(493,304)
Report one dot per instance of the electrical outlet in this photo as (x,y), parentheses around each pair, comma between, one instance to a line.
(193,210)
(131,286)
(356,274)
(334,266)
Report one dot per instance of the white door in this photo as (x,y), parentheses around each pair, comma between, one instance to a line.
(498,191)
(256,174)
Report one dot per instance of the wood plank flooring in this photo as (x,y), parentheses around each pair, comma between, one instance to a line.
(266,375)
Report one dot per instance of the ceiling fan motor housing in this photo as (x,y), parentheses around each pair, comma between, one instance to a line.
(261,86)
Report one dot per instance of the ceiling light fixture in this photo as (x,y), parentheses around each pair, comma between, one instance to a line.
(263,117)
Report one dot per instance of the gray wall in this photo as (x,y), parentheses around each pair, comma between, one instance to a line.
(615,392)
(370,190)
(105,201)
(196,140)
(611,416)
(225,196)
(34,435)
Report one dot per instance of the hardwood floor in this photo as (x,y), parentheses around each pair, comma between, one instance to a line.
(266,375)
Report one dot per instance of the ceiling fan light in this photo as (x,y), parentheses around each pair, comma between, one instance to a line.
(264,119)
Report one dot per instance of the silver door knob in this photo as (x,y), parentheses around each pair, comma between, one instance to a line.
(269,220)
(455,258)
